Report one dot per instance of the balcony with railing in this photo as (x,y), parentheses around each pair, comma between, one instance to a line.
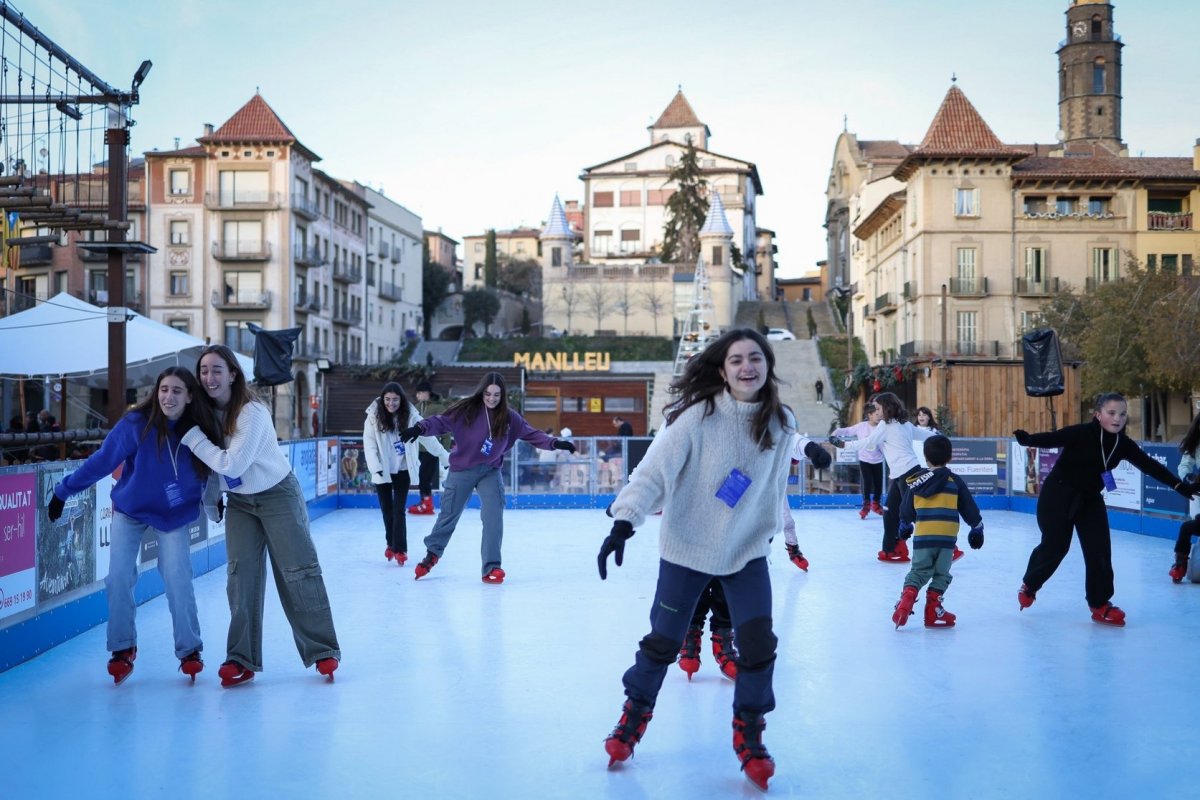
(242,251)
(36,255)
(344,315)
(968,287)
(304,206)
(1093,283)
(885,303)
(383,250)
(1032,288)
(308,303)
(242,201)
(390,291)
(962,348)
(1169,220)
(308,351)
(133,299)
(241,301)
(346,273)
(307,256)
(910,290)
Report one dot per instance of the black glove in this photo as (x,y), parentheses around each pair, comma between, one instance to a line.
(379,472)
(1188,489)
(614,543)
(818,455)
(563,444)
(975,537)
(1022,437)
(837,442)
(410,434)
(905,530)
(56,508)
(220,508)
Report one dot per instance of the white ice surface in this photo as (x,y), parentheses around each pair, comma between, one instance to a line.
(450,688)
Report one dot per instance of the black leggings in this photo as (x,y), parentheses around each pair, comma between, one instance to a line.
(427,472)
(1183,545)
(392,497)
(872,481)
(1062,508)
(891,512)
(712,599)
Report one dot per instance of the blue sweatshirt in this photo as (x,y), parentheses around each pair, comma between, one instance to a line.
(141,491)
(469,439)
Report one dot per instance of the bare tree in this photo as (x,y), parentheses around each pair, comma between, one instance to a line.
(655,299)
(598,300)
(568,298)
(625,301)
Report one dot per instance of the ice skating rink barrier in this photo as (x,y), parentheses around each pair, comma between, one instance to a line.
(52,574)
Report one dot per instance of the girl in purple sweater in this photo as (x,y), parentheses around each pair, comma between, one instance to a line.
(484,429)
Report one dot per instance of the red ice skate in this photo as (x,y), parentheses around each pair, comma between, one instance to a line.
(494,576)
(121,664)
(957,554)
(689,653)
(634,719)
(424,565)
(1179,570)
(724,652)
(1108,614)
(878,509)
(327,666)
(935,615)
(232,673)
(904,606)
(757,763)
(866,509)
(796,557)
(423,507)
(1025,597)
(388,554)
(191,665)
(401,558)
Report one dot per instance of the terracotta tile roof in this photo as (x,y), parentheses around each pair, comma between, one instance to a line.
(1106,168)
(678,114)
(255,122)
(884,148)
(185,152)
(957,131)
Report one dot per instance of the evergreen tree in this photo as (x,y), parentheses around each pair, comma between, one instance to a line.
(435,287)
(686,211)
(491,270)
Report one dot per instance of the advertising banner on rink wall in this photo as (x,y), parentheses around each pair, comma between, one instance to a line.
(104,518)
(66,549)
(977,462)
(352,472)
(1159,498)
(18,545)
(304,464)
(327,467)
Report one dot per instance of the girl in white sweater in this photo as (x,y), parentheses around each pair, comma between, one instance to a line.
(266,513)
(718,471)
(393,465)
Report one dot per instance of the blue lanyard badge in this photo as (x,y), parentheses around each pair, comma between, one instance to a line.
(733,488)
(399,445)
(232,483)
(174,494)
(486,449)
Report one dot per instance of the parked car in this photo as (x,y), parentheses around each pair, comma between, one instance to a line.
(535,329)
(780,335)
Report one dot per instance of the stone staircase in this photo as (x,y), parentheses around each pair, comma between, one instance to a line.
(798,365)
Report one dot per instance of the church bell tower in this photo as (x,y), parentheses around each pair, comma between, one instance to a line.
(1089,81)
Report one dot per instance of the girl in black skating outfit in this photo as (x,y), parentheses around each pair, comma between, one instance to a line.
(1071,499)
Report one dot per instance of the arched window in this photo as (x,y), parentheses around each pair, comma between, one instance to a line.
(1099,83)
(1097,28)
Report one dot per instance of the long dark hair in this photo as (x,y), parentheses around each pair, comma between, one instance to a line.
(468,408)
(1191,439)
(239,393)
(386,420)
(925,410)
(893,410)
(701,382)
(198,412)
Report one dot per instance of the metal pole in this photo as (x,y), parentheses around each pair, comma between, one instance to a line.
(117,139)
(945,376)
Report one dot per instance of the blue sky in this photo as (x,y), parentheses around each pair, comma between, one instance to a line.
(475,114)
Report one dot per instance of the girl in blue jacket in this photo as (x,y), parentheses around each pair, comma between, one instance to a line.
(158,490)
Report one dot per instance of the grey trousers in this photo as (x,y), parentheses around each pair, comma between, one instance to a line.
(931,565)
(455,494)
(275,522)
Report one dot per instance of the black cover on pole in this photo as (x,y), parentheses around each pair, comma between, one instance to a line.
(273,354)
(1043,363)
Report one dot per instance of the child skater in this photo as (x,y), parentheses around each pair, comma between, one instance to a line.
(894,435)
(1190,447)
(722,458)
(936,499)
(712,599)
(159,492)
(870,460)
(484,429)
(392,465)
(1071,499)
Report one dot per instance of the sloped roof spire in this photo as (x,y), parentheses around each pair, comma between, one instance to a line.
(958,130)
(678,114)
(256,121)
(715,224)
(557,226)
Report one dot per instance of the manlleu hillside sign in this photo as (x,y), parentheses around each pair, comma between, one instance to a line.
(563,362)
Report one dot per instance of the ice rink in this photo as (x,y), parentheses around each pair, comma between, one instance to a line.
(450,688)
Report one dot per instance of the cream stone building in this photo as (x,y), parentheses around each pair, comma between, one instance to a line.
(951,246)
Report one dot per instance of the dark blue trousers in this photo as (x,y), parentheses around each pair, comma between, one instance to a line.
(748,593)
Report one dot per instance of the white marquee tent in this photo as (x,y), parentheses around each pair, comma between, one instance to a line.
(64,337)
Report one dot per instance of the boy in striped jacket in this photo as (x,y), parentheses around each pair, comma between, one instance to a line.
(934,499)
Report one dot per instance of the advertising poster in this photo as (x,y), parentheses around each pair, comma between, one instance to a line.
(352,470)
(104,515)
(977,463)
(1128,494)
(304,464)
(1159,498)
(18,542)
(66,548)
(327,467)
